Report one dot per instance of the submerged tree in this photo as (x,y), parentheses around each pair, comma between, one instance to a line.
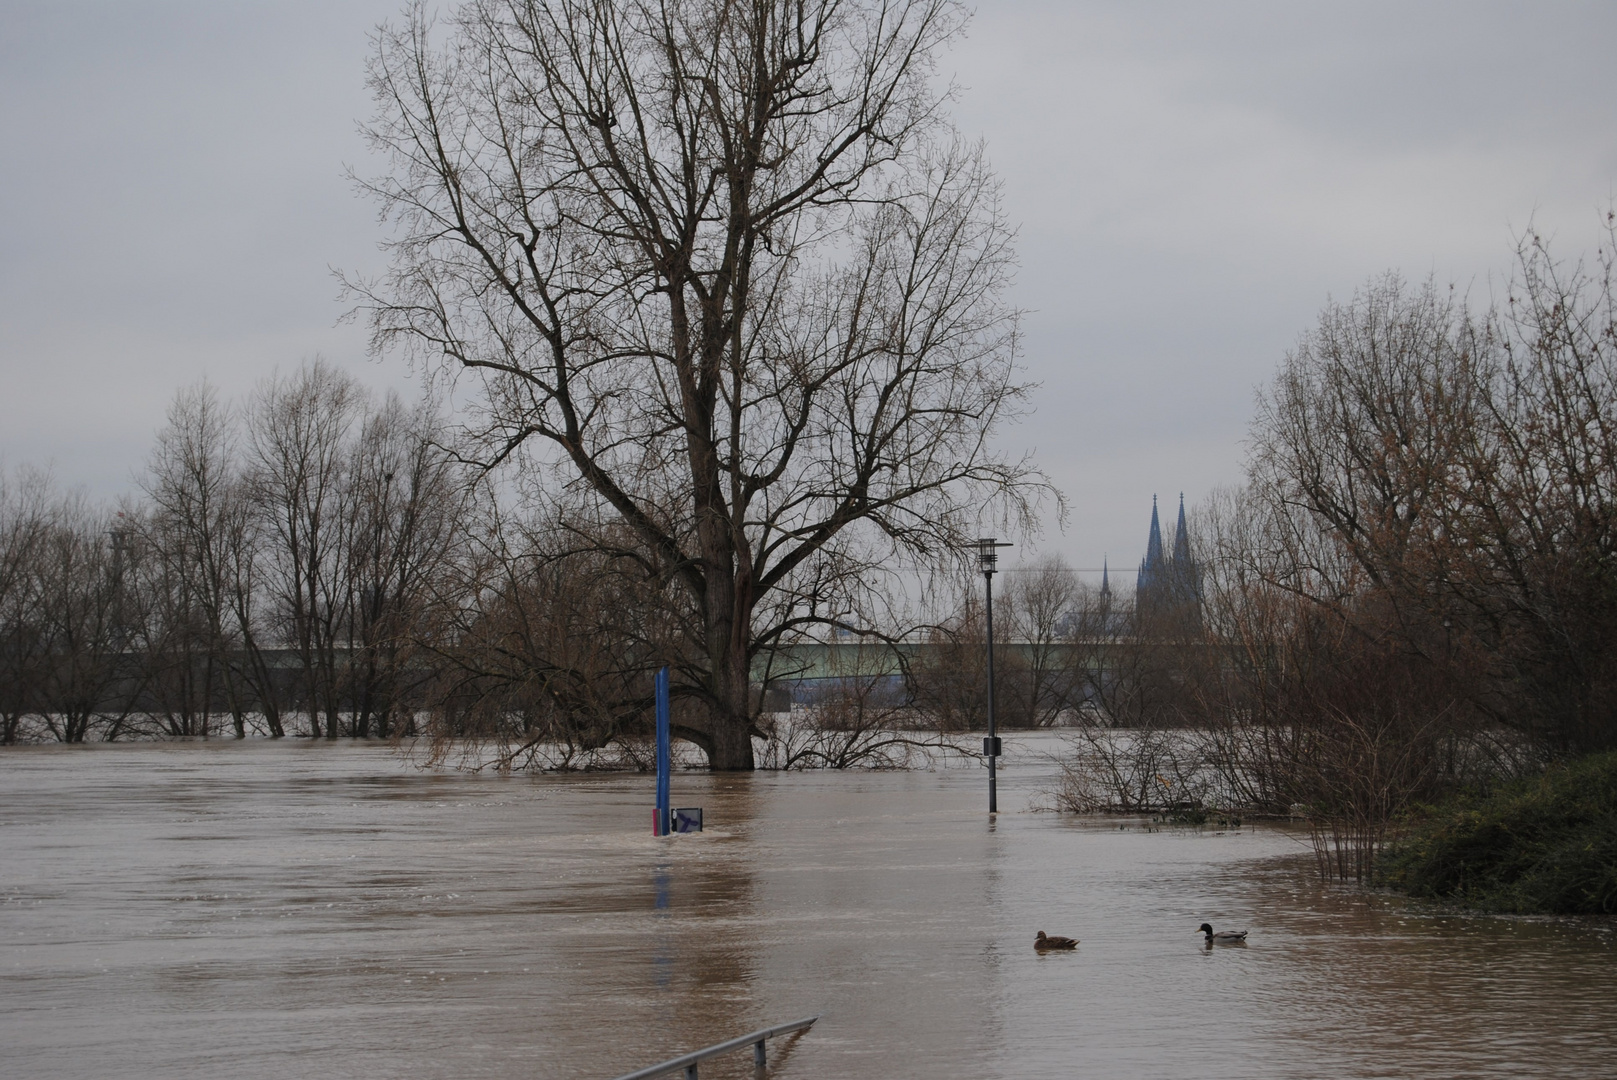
(26,519)
(725,269)
(195,499)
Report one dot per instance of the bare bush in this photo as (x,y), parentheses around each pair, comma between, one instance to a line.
(1143,770)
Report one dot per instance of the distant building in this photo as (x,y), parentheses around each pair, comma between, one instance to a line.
(1169,585)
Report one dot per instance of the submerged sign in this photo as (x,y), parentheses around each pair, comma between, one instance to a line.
(688,819)
(663,819)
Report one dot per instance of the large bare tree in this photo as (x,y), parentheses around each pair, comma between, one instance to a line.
(724,267)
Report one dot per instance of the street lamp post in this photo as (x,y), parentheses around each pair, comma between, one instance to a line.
(987,556)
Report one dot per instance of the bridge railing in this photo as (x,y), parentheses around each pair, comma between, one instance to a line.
(688,1062)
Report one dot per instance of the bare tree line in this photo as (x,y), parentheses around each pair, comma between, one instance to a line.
(316,562)
(313,561)
(275,578)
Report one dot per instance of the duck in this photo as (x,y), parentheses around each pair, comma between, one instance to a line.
(1042,942)
(1223,937)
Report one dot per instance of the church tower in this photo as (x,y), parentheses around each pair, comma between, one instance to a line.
(1169,584)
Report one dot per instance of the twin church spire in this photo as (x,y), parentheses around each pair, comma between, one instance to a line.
(1168,580)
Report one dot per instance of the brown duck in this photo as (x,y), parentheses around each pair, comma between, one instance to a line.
(1042,942)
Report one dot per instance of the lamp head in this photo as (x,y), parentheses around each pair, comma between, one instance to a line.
(987,556)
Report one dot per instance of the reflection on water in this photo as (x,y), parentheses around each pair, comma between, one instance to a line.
(285,910)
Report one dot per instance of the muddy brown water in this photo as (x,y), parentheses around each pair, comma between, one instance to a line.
(285,910)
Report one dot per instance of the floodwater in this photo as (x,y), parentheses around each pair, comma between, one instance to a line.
(303,910)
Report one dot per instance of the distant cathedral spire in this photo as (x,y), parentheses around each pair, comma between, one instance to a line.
(1153,545)
(1151,566)
(1105,580)
(1169,583)
(1181,537)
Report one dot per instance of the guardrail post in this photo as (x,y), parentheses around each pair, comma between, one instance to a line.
(758,1054)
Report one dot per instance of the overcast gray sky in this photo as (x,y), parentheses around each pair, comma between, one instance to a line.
(1192,182)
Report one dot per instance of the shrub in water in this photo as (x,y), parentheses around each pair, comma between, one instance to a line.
(1545,846)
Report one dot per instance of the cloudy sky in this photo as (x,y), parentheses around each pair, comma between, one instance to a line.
(1192,182)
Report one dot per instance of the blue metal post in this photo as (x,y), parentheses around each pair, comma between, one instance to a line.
(993,745)
(664,756)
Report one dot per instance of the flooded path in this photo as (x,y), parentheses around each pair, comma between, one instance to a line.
(290,910)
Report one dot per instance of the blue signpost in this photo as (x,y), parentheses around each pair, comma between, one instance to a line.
(665,765)
(665,819)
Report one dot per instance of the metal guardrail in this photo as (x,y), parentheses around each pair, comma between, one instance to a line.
(688,1062)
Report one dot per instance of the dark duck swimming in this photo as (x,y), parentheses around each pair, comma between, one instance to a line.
(1043,942)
